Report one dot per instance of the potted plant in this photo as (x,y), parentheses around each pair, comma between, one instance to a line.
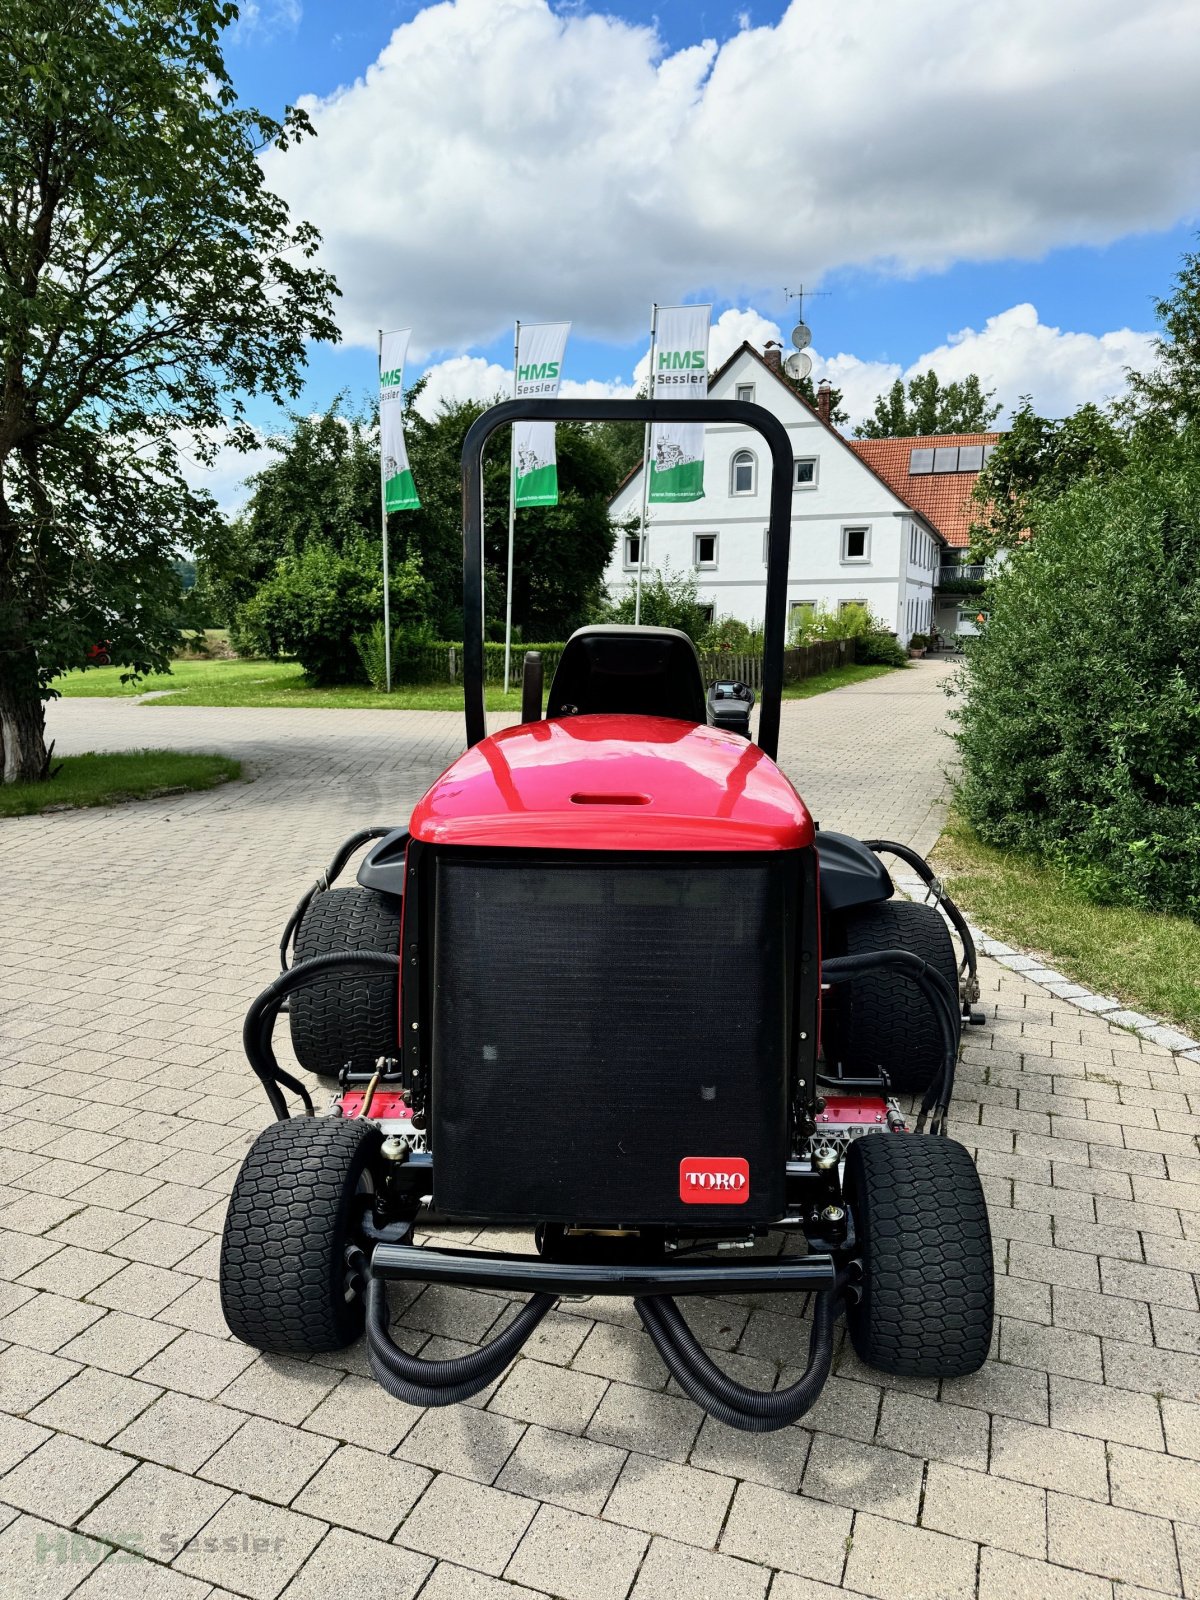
(918,645)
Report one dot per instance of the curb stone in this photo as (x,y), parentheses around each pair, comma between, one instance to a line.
(1163,1034)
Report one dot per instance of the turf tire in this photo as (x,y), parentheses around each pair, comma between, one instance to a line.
(283,1263)
(926,1249)
(352,1018)
(882,1019)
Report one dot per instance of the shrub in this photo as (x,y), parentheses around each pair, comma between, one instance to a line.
(729,636)
(919,641)
(1080,725)
(409,646)
(878,648)
(316,604)
(847,622)
(669,600)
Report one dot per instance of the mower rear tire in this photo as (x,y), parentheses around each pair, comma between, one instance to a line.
(352,1017)
(881,1019)
(927,1290)
(285,1280)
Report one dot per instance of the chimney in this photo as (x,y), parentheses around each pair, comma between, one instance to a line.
(824,400)
(773,355)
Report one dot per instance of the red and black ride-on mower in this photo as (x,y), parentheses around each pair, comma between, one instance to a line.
(612,984)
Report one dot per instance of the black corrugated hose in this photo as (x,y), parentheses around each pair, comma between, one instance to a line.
(333,871)
(443,1383)
(751,1410)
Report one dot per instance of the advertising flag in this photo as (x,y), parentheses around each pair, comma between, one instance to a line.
(540,347)
(399,492)
(680,373)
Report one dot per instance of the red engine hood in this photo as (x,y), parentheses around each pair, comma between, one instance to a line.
(614,783)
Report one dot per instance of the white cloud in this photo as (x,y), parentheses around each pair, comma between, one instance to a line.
(503,158)
(462,378)
(225,476)
(262,20)
(1014,353)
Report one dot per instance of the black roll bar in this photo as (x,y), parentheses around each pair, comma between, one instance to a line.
(702,411)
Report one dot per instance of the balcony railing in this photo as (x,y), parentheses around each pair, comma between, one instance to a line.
(956,575)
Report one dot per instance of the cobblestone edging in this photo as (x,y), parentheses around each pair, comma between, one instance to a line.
(1064,988)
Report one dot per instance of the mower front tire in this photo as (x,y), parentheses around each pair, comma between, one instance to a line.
(286,1284)
(881,1019)
(926,1297)
(352,1017)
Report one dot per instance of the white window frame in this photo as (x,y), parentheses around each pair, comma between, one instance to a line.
(863,560)
(842,604)
(800,605)
(744,391)
(631,562)
(706,566)
(797,487)
(734,491)
(707,609)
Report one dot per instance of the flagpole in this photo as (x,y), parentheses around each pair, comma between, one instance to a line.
(637,603)
(383,530)
(512,513)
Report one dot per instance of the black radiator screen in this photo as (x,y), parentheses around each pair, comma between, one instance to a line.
(596,1023)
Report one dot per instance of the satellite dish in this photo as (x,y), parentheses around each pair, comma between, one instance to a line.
(798,366)
(801,335)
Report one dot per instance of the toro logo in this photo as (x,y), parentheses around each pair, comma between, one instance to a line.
(714,1180)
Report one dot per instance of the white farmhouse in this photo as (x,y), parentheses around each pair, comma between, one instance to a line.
(857,536)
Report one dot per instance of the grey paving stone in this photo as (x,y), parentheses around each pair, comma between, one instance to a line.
(128,1576)
(1049,1458)
(28,1376)
(250,1547)
(662,1497)
(179,1431)
(577,1557)
(364,1490)
(268,1459)
(63,1478)
(562,1469)
(1004,1576)
(774,1459)
(393,1572)
(671,1570)
(467,1523)
(1181,1425)
(1105,1413)
(154,1511)
(95,1405)
(462,1440)
(1160,1485)
(939,1432)
(18,1438)
(1112,1542)
(279,1388)
(47,1322)
(781,1530)
(887,1560)
(535,1391)
(864,1477)
(992,1511)
(655,1424)
(456,1583)
(39,1561)
(198,1365)
(359,1412)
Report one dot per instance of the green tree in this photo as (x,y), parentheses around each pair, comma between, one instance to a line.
(929,406)
(670,599)
(1170,391)
(149,283)
(1038,459)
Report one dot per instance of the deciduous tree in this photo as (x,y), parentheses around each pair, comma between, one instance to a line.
(930,406)
(149,284)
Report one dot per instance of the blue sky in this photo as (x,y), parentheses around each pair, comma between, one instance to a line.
(954,207)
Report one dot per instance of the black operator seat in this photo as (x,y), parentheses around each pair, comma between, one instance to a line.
(649,672)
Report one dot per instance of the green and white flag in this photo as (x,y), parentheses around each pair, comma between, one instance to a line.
(399,491)
(680,373)
(539,351)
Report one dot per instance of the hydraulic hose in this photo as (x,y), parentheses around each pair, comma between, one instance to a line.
(970,961)
(332,872)
(443,1383)
(736,1405)
(943,1002)
(260,1018)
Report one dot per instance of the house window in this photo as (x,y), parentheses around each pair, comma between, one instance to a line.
(745,391)
(856,544)
(800,614)
(804,472)
(742,472)
(704,550)
(844,605)
(707,612)
(633,542)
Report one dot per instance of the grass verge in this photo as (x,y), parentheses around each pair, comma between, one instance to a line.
(1150,961)
(103,778)
(267,683)
(835,678)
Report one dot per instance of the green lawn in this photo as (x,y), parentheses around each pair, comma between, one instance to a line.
(283,683)
(268,683)
(105,778)
(835,678)
(1152,962)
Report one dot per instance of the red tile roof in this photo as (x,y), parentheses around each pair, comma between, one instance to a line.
(942,498)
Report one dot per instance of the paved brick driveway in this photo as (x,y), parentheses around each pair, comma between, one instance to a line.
(1068,1469)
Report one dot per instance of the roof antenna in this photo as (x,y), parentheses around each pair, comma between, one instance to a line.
(799,365)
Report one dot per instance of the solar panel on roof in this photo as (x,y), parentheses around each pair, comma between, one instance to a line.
(945,458)
(970,457)
(987,453)
(919,461)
